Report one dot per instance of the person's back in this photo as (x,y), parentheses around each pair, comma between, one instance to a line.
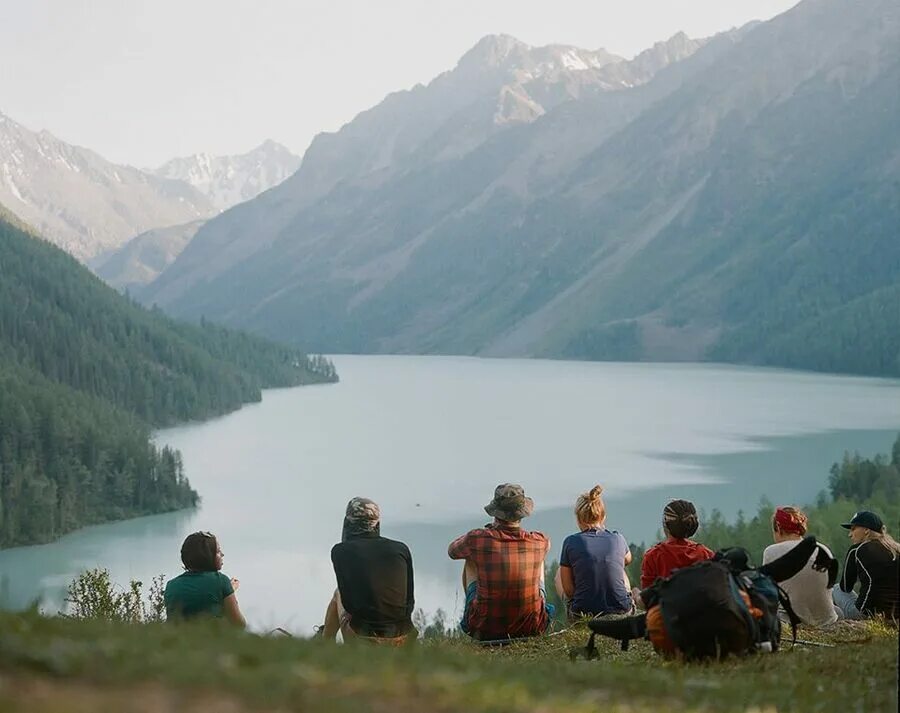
(597,558)
(591,578)
(808,589)
(508,597)
(663,558)
(374,577)
(193,594)
(374,598)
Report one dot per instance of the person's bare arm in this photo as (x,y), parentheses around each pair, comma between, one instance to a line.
(565,582)
(628,557)
(233,611)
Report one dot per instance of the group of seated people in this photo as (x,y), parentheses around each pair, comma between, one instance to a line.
(503,571)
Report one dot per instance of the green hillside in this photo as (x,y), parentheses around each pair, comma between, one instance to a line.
(50,665)
(85,374)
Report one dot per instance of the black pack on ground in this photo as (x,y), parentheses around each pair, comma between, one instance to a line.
(705,609)
(704,613)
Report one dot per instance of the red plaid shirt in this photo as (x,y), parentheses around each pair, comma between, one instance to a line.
(510,562)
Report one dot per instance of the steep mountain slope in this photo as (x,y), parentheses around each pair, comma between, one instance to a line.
(229,180)
(498,86)
(739,195)
(80,201)
(84,373)
(141,260)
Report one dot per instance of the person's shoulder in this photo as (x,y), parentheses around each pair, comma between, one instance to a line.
(396,544)
(476,532)
(772,552)
(654,550)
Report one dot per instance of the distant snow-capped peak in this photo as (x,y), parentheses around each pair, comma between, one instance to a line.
(229,180)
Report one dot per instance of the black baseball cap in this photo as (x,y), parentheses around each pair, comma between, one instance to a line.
(865,518)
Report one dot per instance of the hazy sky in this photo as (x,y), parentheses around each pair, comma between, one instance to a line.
(142,81)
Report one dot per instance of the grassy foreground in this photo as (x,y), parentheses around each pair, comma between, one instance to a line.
(53,664)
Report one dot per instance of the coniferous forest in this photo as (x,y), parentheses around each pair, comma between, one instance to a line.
(85,374)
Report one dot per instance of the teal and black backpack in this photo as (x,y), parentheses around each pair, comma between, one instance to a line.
(717,608)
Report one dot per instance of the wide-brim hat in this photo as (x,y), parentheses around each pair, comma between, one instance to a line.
(510,503)
(864,518)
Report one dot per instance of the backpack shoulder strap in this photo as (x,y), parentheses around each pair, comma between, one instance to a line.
(785,601)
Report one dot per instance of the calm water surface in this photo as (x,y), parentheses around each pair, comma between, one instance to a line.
(430,437)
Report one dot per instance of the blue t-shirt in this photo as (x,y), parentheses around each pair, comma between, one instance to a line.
(597,560)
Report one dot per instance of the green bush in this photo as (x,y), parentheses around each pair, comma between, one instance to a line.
(93,595)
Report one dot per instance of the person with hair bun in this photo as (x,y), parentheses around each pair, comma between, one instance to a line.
(680,522)
(202,590)
(591,578)
(810,589)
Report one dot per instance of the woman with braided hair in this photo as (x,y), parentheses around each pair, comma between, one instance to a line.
(680,522)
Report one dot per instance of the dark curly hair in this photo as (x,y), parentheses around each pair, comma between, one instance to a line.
(198,552)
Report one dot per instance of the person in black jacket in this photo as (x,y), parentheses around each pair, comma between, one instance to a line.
(874,561)
(374,598)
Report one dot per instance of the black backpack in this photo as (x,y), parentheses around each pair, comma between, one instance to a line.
(704,613)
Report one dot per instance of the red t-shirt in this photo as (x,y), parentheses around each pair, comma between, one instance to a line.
(662,558)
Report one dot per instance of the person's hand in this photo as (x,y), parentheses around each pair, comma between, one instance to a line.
(235,583)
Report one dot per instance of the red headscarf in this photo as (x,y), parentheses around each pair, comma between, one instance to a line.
(787,521)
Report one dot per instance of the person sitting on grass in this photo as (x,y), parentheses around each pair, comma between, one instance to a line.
(873,559)
(202,590)
(374,596)
(503,575)
(680,522)
(809,589)
(591,578)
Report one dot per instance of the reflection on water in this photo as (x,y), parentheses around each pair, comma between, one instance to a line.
(429,438)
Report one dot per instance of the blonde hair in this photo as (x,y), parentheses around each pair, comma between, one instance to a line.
(884,539)
(590,508)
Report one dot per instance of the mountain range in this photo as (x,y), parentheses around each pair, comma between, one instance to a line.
(229,180)
(90,207)
(733,198)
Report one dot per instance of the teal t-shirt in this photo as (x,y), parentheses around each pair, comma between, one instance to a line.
(196,594)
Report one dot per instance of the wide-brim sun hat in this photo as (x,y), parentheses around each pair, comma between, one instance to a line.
(510,503)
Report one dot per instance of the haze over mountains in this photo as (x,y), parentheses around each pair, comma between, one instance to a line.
(730,199)
(81,202)
(89,206)
(229,180)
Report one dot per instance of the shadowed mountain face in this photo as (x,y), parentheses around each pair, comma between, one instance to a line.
(733,199)
(141,260)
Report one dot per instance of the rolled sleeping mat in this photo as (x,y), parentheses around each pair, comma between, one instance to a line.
(791,562)
(621,628)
